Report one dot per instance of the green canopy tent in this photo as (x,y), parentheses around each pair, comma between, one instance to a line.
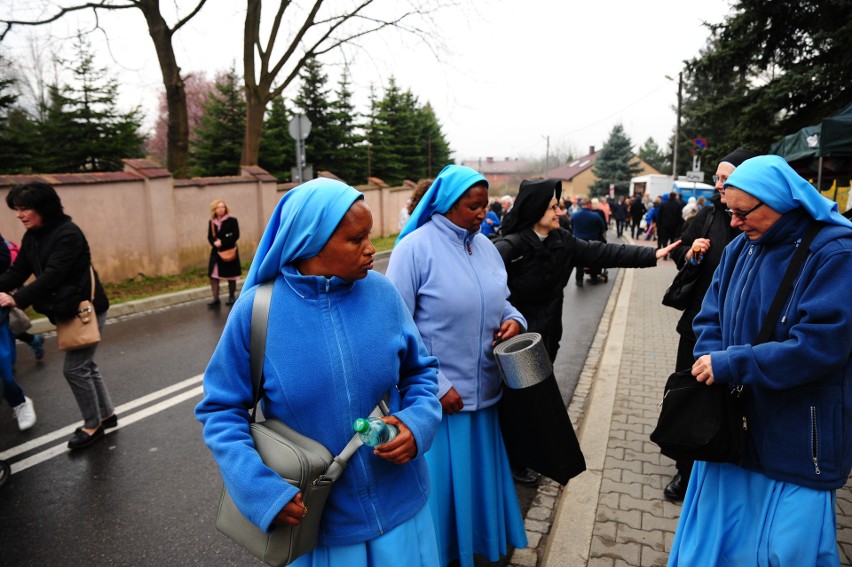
(830,138)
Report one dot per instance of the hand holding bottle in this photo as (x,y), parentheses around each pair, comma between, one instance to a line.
(401,448)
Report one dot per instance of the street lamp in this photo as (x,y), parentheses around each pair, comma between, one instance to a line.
(677,127)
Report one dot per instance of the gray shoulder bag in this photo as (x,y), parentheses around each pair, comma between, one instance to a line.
(300,460)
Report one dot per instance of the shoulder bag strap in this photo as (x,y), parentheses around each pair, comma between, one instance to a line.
(787,283)
(257,350)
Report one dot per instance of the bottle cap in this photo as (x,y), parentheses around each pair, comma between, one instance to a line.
(361,425)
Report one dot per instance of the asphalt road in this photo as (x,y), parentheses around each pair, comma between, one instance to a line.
(148,493)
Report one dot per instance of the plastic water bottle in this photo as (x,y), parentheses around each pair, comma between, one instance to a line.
(374,431)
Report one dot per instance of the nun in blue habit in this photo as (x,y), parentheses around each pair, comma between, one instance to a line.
(777,508)
(339,338)
(453,281)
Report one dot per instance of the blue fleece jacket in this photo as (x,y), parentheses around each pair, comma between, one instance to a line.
(799,383)
(454,283)
(333,349)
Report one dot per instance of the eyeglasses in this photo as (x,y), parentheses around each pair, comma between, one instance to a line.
(555,208)
(718,178)
(743,216)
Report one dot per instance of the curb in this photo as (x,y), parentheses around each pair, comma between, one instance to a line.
(541,516)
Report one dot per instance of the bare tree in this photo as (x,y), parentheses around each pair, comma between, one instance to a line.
(161,34)
(320,27)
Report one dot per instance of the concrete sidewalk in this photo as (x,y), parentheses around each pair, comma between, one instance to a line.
(614,514)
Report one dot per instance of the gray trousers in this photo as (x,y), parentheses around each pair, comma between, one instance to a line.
(82,373)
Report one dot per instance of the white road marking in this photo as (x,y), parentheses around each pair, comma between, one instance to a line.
(124,419)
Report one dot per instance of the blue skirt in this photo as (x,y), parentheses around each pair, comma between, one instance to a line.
(473,500)
(733,517)
(410,543)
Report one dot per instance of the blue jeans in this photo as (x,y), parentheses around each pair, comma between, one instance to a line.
(12,392)
(87,385)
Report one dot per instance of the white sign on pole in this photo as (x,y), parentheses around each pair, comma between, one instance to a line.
(299,127)
(697,176)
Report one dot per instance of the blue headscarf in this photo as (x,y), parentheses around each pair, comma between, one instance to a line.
(302,223)
(773,181)
(450,184)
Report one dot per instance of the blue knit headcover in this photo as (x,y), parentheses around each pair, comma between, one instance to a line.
(301,224)
(450,184)
(773,181)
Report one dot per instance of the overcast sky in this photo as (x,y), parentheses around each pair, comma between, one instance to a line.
(511,73)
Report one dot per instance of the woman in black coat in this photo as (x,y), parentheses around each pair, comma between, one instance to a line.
(55,251)
(539,256)
(223,231)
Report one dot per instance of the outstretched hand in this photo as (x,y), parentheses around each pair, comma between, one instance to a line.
(663,252)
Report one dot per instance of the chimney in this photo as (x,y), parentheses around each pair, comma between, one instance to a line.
(591,150)
(489,159)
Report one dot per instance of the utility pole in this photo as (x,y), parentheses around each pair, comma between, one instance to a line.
(677,126)
(547,155)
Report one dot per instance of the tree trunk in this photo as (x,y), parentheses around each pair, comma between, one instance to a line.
(255,109)
(177,149)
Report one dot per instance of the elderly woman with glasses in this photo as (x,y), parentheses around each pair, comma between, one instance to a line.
(777,507)
(702,243)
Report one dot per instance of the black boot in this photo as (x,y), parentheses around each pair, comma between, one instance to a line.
(231,300)
(214,303)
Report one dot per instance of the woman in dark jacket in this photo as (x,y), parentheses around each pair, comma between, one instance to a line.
(539,256)
(56,252)
(710,231)
(223,231)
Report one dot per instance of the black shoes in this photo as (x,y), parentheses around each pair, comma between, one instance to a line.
(110,422)
(214,303)
(81,439)
(676,489)
(524,475)
(230,301)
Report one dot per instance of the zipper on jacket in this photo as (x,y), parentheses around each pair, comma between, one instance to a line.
(795,288)
(814,441)
(340,354)
(481,324)
(747,284)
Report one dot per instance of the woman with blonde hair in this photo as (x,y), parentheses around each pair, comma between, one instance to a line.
(223,231)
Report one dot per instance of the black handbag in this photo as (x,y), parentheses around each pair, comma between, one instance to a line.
(681,290)
(708,423)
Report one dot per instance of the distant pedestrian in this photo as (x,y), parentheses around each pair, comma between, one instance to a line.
(589,225)
(55,251)
(637,211)
(223,231)
(669,220)
(620,214)
(492,222)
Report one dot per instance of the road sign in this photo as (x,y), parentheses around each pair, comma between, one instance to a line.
(299,127)
(695,176)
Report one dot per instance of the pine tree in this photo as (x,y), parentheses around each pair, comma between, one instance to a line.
(217,150)
(16,130)
(350,151)
(613,164)
(312,101)
(82,126)
(277,148)
(386,118)
(654,156)
(436,148)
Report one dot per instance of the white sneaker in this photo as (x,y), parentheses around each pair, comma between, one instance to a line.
(25,414)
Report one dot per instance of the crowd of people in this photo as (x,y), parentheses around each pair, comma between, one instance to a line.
(467,272)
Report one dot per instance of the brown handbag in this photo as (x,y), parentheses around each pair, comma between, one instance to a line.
(226,255)
(80,331)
